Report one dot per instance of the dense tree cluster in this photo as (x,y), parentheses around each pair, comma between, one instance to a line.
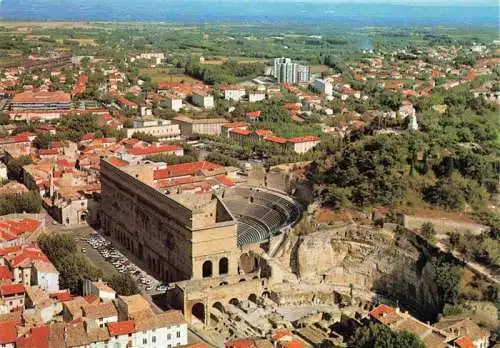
(15,167)
(73,267)
(123,284)
(29,202)
(381,336)
(483,248)
(227,73)
(365,173)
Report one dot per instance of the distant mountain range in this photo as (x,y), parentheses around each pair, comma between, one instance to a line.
(257,11)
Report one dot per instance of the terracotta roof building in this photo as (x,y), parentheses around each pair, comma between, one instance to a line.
(41,101)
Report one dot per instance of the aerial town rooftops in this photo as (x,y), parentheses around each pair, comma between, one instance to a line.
(11,229)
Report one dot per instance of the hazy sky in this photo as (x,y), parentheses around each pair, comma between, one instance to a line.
(402,2)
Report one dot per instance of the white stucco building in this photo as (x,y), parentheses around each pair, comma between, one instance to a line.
(163,129)
(203,99)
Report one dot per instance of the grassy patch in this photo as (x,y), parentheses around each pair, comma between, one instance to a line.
(319,68)
(162,75)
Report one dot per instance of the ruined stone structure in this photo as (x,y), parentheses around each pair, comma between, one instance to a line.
(363,257)
(179,237)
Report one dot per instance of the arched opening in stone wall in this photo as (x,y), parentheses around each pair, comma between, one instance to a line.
(218,306)
(252,298)
(234,301)
(207,269)
(198,312)
(223,266)
(265,294)
(84,216)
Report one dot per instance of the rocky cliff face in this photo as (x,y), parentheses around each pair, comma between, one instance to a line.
(370,259)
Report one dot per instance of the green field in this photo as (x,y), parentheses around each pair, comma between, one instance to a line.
(162,75)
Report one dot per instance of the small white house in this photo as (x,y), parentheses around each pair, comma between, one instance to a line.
(99,289)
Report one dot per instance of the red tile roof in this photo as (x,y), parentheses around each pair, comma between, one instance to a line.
(8,332)
(280,333)
(80,85)
(241,343)
(28,254)
(224,180)
(62,296)
(42,97)
(465,342)
(39,338)
(5,273)
(384,313)
(11,289)
(184,169)
(240,131)
(154,149)
(121,328)
(88,136)
(118,162)
(12,229)
(253,115)
(304,139)
(294,343)
(263,132)
(125,102)
(275,139)
(9,250)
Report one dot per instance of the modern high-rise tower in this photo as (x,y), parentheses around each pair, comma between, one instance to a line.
(285,71)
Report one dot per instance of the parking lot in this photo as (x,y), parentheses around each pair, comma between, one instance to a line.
(116,260)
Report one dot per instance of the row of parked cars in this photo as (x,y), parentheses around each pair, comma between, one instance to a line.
(121,262)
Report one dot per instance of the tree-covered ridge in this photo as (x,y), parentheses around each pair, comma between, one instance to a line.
(452,162)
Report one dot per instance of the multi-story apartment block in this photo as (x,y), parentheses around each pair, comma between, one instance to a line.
(285,71)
